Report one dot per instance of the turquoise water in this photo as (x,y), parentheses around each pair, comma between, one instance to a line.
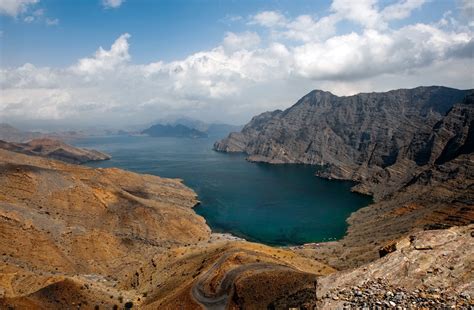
(272,204)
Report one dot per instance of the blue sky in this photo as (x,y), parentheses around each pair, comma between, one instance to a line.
(164,30)
(134,61)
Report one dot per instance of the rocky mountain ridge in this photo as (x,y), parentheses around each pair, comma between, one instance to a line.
(370,138)
(9,133)
(411,149)
(55,149)
(77,237)
(176,131)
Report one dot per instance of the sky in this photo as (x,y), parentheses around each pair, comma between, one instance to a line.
(121,63)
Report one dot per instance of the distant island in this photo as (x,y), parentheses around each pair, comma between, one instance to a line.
(186,127)
(176,131)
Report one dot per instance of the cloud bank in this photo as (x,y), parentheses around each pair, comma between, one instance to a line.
(276,61)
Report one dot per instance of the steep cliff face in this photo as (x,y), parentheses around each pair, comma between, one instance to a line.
(370,138)
(412,149)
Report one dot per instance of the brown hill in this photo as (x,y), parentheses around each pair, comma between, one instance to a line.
(73,235)
(54,149)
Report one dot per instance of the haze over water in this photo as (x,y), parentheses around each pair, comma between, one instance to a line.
(272,204)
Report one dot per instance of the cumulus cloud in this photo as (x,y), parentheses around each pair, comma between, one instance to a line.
(401,9)
(245,40)
(15,7)
(105,60)
(268,19)
(24,10)
(112,3)
(249,73)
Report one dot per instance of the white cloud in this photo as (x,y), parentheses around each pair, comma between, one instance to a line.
(401,9)
(372,53)
(363,12)
(47,104)
(29,19)
(268,19)
(305,28)
(15,7)
(248,73)
(104,60)
(112,3)
(245,40)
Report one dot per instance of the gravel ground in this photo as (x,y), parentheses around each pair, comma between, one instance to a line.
(380,295)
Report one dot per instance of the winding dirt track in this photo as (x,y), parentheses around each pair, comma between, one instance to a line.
(219,299)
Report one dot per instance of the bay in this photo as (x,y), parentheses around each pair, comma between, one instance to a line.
(272,204)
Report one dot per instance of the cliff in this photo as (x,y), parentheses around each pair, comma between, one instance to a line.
(370,138)
(412,149)
(55,149)
(73,236)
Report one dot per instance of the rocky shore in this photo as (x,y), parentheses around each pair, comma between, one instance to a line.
(412,149)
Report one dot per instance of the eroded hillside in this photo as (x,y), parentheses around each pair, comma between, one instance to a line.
(72,235)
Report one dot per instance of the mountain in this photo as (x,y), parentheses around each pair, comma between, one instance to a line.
(412,149)
(55,149)
(178,131)
(360,137)
(12,134)
(74,236)
(221,130)
(212,129)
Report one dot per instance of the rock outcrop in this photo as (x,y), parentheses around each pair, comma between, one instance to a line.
(412,149)
(370,138)
(429,270)
(55,149)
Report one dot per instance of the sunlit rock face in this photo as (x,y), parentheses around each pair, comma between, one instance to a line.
(378,139)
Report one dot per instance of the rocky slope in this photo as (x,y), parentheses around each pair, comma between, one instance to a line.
(11,134)
(55,149)
(72,236)
(77,237)
(370,138)
(428,270)
(412,149)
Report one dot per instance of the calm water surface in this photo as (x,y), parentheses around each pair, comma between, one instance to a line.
(272,204)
